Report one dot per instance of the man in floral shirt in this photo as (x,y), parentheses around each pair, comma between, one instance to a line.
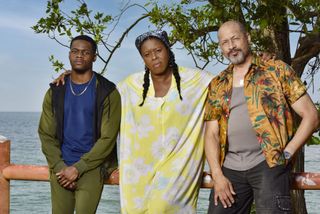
(249,138)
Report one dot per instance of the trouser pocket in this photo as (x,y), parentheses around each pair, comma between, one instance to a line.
(284,203)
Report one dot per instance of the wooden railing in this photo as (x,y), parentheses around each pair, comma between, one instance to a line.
(8,171)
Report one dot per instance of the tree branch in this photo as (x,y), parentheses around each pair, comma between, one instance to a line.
(55,39)
(309,48)
(123,10)
(203,31)
(121,39)
(296,10)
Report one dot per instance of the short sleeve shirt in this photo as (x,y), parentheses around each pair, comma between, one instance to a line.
(270,89)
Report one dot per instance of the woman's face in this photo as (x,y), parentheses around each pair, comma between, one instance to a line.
(155,56)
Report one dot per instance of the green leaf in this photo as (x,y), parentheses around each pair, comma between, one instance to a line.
(263,23)
(314,141)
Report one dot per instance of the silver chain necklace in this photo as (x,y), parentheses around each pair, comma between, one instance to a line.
(84,90)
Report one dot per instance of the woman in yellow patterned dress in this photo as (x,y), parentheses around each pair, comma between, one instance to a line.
(161,134)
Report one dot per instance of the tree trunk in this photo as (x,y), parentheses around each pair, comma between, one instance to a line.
(282,44)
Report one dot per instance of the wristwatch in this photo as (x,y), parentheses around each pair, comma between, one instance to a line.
(287,155)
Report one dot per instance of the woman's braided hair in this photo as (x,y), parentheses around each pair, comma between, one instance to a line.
(175,71)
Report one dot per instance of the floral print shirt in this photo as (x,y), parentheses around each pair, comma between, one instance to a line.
(269,88)
(162,144)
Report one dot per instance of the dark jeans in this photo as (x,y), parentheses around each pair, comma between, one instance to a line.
(269,187)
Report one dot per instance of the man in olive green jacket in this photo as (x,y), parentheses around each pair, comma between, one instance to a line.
(78,130)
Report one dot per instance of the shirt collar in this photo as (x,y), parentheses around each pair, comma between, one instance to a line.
(256,61)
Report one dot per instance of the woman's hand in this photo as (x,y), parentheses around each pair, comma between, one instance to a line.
(60,79)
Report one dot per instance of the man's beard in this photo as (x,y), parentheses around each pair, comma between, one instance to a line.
(239,58)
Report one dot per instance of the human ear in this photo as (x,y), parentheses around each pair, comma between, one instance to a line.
(248,38)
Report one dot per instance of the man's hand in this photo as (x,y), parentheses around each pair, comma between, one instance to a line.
(67,176)
(60,79)
(72,186)
(223,191)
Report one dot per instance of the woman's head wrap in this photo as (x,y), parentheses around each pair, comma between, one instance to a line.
(161,35)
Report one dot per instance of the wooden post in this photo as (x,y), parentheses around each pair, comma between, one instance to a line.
(4,183)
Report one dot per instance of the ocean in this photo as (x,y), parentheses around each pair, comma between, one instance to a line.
(34,197)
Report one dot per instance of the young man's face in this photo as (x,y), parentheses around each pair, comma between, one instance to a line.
(81,56)
(234,43)
(155,56)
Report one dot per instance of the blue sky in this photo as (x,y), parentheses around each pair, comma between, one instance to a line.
(25,69)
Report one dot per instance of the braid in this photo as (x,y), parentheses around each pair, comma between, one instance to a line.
(174,66)
(146,84)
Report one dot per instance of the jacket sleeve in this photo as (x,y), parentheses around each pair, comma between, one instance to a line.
(47,132)
(109,130)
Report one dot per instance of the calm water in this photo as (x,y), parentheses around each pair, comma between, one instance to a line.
(34,197)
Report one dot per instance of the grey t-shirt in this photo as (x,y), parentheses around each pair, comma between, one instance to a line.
(244,150)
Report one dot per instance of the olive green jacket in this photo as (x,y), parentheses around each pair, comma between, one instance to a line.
(106,122)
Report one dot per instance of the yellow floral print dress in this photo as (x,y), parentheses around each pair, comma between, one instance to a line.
(162,145)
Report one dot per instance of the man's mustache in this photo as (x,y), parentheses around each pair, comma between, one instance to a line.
(234,50)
